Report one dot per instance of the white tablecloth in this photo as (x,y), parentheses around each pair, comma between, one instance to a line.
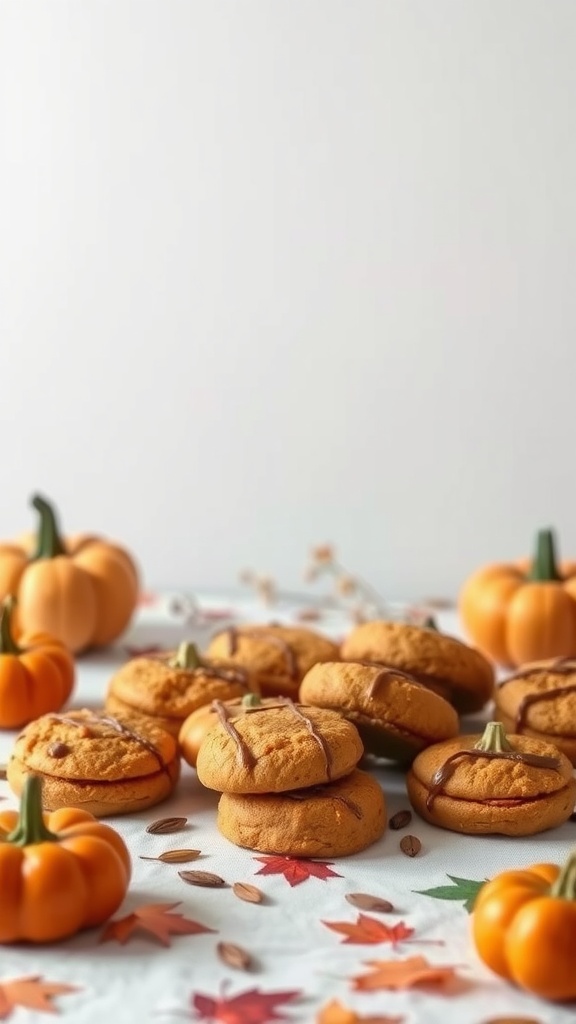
(292,948)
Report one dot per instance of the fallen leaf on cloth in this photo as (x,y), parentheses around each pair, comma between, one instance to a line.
(32,993)
(463,889)
(249,1007)
(295,870)
(335,1013)
(414,972)
(368,931)
(154,919)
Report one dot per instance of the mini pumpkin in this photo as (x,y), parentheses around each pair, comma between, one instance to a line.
(523,925)
(83,590)
(36,675)
(523,611)
(59,873)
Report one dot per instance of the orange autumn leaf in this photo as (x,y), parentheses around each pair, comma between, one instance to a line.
(31,993)
(368,931)
(153,919)
(335,1013)
(414,972)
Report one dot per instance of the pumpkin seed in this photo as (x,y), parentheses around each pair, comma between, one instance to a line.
(365,902)
(175,856)
(400,819)
(410,845)
(205,878)
(234,956)
(247,892)
(165,825)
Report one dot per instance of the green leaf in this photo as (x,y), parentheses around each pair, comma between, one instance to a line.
(464,889)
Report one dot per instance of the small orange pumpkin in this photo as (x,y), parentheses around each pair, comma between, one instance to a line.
(82,590)
(523,926)
(59,872)
(36,675)
(523,611)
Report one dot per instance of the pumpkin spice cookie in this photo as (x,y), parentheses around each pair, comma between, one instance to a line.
(540,701)
(335,820)
(395,715)
(168,687)
(277,657)
(277,747)
(509,785)
(94,761)
(457,672)
(195,727)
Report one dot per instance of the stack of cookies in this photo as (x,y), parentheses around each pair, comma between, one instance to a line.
(289,780)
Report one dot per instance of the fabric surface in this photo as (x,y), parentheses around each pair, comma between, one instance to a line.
(303,953)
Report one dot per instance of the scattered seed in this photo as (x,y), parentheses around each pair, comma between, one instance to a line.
(410,845)
(234,956)
(248,893)
(164,825)
(175,856)
(512,1020)
(205,878)
(365,902)
(400,819)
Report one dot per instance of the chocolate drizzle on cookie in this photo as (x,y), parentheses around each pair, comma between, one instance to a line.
(324,791)
(246,756)
(234,635)
(538,698)
(384,675)
(558,667)
(446,770)
(118,727)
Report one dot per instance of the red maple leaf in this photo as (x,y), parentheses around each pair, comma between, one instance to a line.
(249,1007)
(154,919)
(367,931)
(296,871)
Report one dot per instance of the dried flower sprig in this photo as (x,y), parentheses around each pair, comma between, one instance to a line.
(264,586)
(361,599)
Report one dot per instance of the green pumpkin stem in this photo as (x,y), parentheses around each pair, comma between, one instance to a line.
(493,739)
(186,657)
(8,644)
(49,541)
(565,885)
(430,623)
(544,567)
(31,828)
(251,700)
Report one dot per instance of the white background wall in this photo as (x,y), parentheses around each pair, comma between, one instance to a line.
(276,272)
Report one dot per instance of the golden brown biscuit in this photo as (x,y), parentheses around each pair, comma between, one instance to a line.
(92,760)
(514,786)
(395,715)
(195,727)
(277,657)
(334,820)
(168,687)
(276,748)
(540,701)
(449,667)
